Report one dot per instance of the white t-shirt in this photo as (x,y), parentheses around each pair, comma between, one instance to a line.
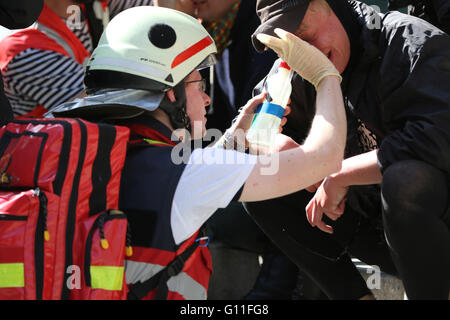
(210,180)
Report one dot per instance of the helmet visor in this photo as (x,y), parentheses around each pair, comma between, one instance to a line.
(115,104)
(208,62)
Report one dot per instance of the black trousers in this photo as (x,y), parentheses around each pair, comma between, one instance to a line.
(415,197)
(323,257)
(420,256)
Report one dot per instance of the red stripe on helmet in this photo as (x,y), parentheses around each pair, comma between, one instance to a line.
(189,52)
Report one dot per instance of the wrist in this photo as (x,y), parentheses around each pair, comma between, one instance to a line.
(338,179)
(332,77)
(231,141)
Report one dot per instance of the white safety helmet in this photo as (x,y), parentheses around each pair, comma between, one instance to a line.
(156,43)
(153,49)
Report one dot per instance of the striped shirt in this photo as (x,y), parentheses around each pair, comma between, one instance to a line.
(44,77)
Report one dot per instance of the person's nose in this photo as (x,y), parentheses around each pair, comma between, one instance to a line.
(206,99)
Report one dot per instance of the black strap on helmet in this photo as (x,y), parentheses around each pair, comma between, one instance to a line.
(177,110)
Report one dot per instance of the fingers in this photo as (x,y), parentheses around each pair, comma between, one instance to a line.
(282,123)
(314,214)
(316,219)
(287,110)
(324,227)
(269,41)
(274,43)
(284,120)
(253,103)
(309,211)
(281,33)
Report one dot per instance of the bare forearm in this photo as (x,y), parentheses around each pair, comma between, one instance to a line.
(359,170)
(319,156)
(329,127)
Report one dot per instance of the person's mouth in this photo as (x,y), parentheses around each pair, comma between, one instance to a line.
(198,3)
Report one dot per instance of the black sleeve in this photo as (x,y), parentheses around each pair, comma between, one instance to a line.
(442,8)
(417,113)
(16,14)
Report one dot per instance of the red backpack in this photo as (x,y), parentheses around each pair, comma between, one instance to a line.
(61,235)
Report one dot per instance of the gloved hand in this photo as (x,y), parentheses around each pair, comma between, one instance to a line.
(308,61)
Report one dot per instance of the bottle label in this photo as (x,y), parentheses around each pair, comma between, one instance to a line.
(271,108)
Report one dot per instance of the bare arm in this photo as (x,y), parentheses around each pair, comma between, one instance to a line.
(318,157)
(359,170)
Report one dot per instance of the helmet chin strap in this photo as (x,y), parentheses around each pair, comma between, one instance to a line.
(177,110)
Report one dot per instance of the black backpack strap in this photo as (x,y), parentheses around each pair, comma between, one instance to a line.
(139,290)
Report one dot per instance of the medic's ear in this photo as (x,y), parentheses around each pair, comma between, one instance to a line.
(171,95)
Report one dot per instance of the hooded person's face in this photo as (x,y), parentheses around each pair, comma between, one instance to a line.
(321,28)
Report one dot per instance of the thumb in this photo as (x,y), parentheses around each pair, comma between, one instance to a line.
(253,103)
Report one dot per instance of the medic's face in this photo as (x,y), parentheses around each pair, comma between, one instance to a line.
(196,102)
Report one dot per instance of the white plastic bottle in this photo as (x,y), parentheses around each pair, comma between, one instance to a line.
(266,123)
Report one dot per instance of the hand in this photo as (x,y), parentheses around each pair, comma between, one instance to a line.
(287,111)
(308,61)
(329,199)
(244,120)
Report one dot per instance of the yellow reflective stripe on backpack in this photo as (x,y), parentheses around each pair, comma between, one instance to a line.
(150,141)
(107,277)
(12,275)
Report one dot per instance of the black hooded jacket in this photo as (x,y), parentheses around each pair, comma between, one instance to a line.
(399,87)
(397,84)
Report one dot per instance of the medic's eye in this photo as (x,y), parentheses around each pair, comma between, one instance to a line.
(162,36)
